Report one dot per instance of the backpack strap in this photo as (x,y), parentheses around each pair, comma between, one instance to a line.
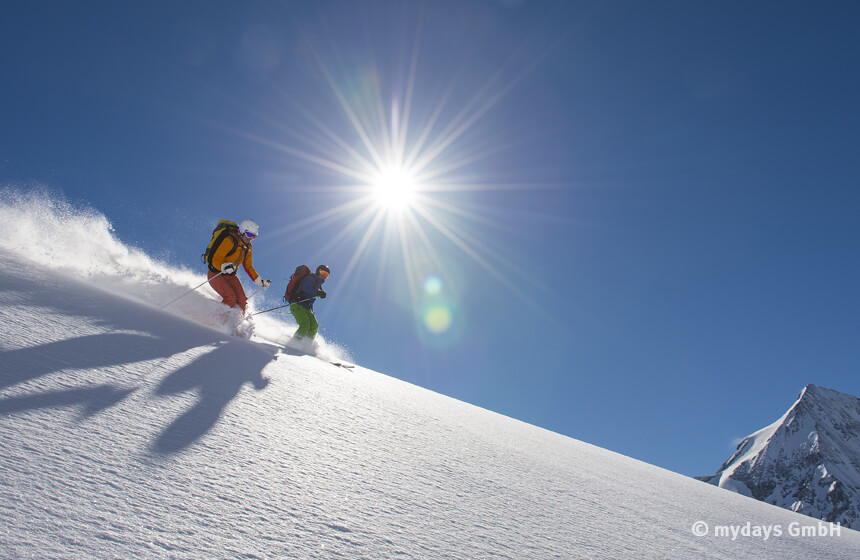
(225,233)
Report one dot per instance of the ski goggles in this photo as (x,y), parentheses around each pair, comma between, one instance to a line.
(323,274)
(249,235)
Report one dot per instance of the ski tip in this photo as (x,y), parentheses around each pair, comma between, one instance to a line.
(343,365)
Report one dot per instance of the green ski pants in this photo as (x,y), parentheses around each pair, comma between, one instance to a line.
(307,321)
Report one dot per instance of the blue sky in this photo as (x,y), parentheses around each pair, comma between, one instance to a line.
(635,223)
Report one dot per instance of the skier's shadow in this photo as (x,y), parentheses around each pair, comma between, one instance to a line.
(87,352)
(218,376)
(94,351)
(93,399)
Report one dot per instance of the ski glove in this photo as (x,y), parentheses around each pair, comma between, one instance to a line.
(262,283)
(321,294)
(228,268)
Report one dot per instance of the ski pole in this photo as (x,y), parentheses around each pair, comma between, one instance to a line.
(191,290)
(253,294)
(267,310)
(282,306)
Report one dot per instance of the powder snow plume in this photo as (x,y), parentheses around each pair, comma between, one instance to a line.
(80,242)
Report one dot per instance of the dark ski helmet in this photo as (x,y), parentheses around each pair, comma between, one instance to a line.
(324,268)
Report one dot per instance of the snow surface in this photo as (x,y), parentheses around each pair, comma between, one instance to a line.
(130,432)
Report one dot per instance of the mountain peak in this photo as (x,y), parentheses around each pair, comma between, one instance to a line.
(807,461)
(815,392)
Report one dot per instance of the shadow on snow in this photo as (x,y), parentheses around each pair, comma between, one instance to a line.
(218,376)
(135,333)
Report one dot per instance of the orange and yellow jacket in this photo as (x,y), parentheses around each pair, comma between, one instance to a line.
(233,250)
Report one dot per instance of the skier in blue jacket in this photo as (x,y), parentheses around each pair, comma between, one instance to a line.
(302,305)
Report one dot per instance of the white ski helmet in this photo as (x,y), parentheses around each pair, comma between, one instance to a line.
(249,226)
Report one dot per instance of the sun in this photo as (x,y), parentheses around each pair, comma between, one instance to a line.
(394,189)
(407,179)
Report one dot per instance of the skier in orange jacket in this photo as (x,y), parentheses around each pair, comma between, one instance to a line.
(231,249)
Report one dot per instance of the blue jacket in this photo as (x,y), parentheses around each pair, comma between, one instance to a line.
(308,288)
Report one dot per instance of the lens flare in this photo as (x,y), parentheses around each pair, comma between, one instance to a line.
(432,285)
(438,319)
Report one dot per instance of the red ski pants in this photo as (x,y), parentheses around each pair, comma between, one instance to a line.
(230,289)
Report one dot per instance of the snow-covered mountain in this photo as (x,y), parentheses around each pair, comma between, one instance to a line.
(131,432)
(808,461)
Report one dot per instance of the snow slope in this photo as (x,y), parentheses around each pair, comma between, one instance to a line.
(129,432)
(807,461)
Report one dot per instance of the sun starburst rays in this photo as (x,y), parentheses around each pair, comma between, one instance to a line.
(395,198)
